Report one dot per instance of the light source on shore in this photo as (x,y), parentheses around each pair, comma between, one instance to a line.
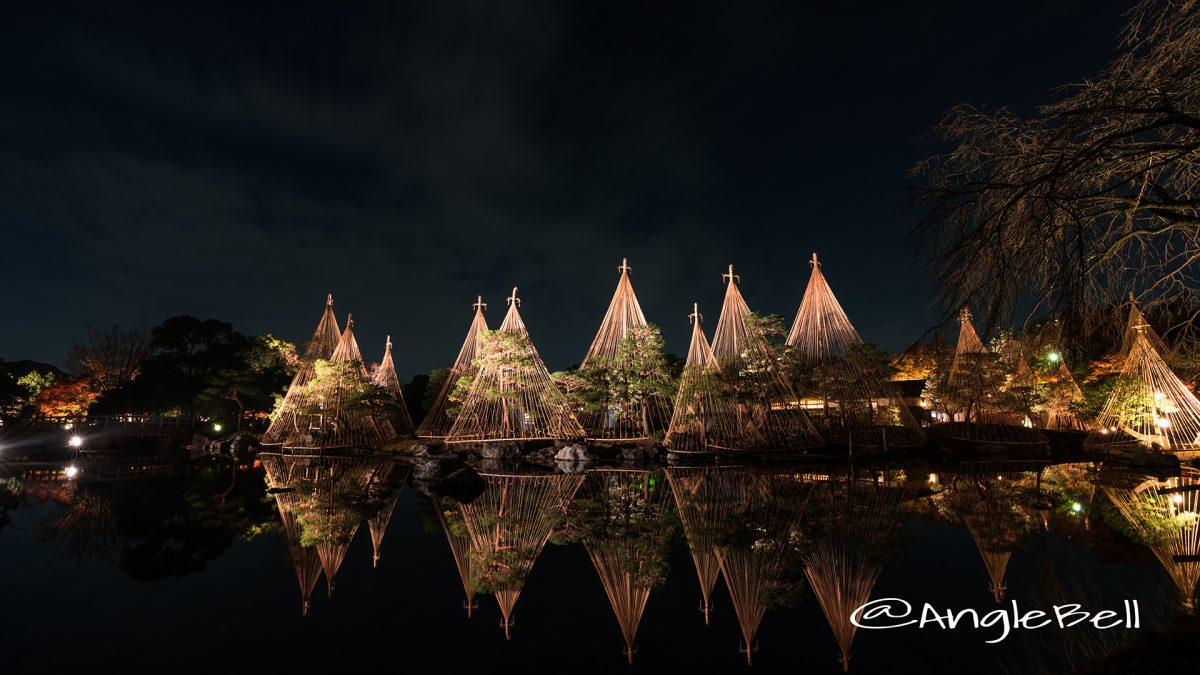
(71,472)
(1053,357)
(76,441)
(216,427)
(1076,507)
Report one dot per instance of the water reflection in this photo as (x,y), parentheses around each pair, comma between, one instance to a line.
(787,540)
(322,500)
(509,525)
(1164,514)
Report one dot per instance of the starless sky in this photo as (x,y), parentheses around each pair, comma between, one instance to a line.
(239,160)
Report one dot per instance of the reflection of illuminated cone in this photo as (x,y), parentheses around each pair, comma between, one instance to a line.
(514,514)
(1164,513)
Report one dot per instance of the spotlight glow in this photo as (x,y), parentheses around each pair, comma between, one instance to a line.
(71,471)
(1076,507)
(1053,357)
(216,427)
(75,442)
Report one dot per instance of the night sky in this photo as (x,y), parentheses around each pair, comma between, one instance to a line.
(239,161)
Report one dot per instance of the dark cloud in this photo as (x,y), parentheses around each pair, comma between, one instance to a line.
(240,161)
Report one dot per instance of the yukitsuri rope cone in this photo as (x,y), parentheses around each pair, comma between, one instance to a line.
(846,399)
(288,419)
(1064,391)
(459,539)
(626,523)
(755,544)
(1164,514)
(995,501)
(702,512)
(766,411)
(703,417)
(621,416)
(852,516)
(509,525)
(1149,408)
(512,397)
(437,421)
(383,490)
(329,499)
(304,558)
(974,390)
(385,378)
(335,401)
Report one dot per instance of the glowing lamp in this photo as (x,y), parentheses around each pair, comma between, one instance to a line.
(71,471)
(1076,507)
(933,478)
(1162,422)
(75,442)
(1053,357)
(216,427)
(1158,396)
(1178,499)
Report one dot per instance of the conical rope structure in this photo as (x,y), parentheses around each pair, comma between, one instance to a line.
(974,396)
(995,502)
(344,409)
(384,489)
(1064,392)
(290,417)
(385,378)
(844,390)
(1149,407)
(1166,516)
(766,411)
(703,417)
(757,542)
(305,560)
(458,537)
(439,419)
(625,520)
(329,499)
(509,525)
(851,517)
(511,397)
(624,408)
(702,512)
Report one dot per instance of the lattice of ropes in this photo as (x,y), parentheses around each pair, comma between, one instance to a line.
(305,560)
(996,503)
(338,404)
(1149,407)
(385,378)
(702,513)
(512,397)
(766,410)
(703,416)
(973,393)
(853,514)
(450,518)
(622,414)
(331,499)
(1063,392)
(438,420)
(1166,514)
(847,400)
(289,418)
(509,525)
(626,532)
(757,542)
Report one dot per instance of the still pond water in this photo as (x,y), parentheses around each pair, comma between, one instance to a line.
(213,565)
